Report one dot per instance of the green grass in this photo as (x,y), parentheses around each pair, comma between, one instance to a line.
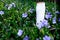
(11,21)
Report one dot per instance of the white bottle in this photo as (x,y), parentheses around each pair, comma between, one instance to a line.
(40,12)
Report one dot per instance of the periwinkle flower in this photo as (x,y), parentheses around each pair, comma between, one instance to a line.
(54,20)
(42,24)
(46,37)
(24,15)
(45,22)
(26,38)
(1,12)
(48,16)
(20,32)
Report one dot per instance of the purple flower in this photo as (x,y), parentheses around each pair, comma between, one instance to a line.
(24,15)
(20,32)
(1,12)
(26,38)
(54,20)
(42,24)
(48,16)
(46,37)
(45,22)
